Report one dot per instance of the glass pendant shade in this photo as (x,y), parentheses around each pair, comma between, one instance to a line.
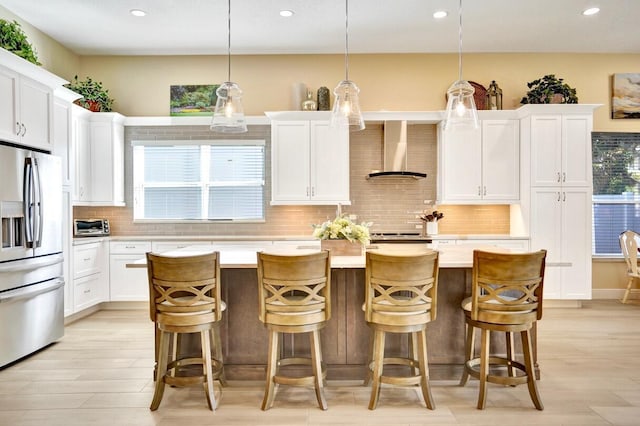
(228,116)
(461,107)
(346,108)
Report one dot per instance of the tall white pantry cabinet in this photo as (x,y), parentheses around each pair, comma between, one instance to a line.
(558,140)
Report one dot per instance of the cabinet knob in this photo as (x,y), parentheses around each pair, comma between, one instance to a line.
(564,176)
(479,191)
(485,191)
(24,129)
(558,196)
(17,128)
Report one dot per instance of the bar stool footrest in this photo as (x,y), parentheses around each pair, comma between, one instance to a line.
(472,367)
(297,381)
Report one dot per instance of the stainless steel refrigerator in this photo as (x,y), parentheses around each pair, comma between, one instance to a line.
(31,259)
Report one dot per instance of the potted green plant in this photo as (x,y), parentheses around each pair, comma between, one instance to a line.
(13,39)
(94,96)
(550,90)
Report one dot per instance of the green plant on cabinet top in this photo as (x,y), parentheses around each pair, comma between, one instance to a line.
(13,39)
(94,96)
(550,90)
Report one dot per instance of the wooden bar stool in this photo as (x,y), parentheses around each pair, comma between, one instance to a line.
(506,296)
(185,298)
(629,243)
(400,297)
(295,297)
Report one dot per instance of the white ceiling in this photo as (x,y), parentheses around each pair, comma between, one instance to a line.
(105,27)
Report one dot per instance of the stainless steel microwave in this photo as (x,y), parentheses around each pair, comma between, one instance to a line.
(91,227)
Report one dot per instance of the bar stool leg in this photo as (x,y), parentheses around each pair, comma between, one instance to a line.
(468,349)
(414,348)
(272,366)
(484,368)
(161,369)
(207,369)
(316,363)
(528,362)
(510,353)
(217,353)
(378,365)
(367,379)
(424,369)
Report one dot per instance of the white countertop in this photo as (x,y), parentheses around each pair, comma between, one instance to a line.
(450,256)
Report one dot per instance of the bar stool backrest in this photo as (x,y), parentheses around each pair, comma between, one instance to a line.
(294,290)
(401,289)
(507,287)
(184,290)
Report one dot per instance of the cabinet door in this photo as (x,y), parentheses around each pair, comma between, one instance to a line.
(102,160)
(546,233)
(461,168)
(501,160)
(127,284)
(36,104)
(82,157)
(62,138)
(329,163)
(87,259)
(576,150)
(67,250)
(9,125)
(546,147)
(290,162)
(576,243)
(87,291)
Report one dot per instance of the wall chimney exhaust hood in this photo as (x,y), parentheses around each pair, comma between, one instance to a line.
(395,152)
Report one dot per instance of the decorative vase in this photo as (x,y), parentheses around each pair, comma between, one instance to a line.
(309,104)
(432,228)
(342,247)
(323,99)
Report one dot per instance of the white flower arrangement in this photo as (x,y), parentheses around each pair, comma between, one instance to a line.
(342,228)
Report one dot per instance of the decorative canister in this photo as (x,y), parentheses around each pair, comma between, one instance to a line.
(324,99)
(309,104)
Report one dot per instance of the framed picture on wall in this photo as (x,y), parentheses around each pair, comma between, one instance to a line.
(625,102)
(193,99)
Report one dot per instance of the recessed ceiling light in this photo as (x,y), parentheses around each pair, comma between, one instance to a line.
(137,12)
(286,13)
(440,14)
(591,11)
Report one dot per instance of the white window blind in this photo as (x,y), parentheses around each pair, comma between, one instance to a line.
(198,180)
(616,188)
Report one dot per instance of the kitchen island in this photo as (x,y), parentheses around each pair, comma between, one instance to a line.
(345,339)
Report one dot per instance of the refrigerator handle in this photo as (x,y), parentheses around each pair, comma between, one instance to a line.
(27,201)
(38,203)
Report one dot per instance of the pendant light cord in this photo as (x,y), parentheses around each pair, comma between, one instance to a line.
(229,40)
(460,42)
(346,39)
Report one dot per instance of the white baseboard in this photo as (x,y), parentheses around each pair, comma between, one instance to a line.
(613,293)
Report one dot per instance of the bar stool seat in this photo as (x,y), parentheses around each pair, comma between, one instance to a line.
(295,297)
(185,298)
(506,296)
(400,297)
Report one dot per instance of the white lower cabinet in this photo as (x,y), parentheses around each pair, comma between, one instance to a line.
(90,274)
(562,226)
(162,246)
(128,284)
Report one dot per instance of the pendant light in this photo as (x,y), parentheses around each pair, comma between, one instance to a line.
(461,108)
(346,108)
(228,116)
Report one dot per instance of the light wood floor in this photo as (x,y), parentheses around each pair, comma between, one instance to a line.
(99,374)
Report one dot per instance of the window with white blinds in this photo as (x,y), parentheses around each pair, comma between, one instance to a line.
(616,188)
(198,180)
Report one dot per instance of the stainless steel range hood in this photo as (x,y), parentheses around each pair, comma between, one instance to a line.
(395,153)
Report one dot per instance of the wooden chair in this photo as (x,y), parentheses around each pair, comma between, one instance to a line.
(629,243)
(295,297)
(185,298)
(506,296)
(400,297)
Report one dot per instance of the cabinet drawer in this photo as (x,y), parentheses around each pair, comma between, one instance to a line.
(162,246)
(87,291)
(86,260)
(129,247)
(127,284)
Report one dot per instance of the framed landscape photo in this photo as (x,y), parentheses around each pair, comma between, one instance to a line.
(625,102)
(193,99)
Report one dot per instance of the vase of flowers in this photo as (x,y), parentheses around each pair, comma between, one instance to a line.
(342,236)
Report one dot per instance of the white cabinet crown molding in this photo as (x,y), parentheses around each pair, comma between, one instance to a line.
(30,70)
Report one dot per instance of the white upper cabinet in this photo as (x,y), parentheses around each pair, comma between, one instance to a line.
(26,102)
(99,157)
(561,150)
(480,166)
(25,110)
(309,163)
